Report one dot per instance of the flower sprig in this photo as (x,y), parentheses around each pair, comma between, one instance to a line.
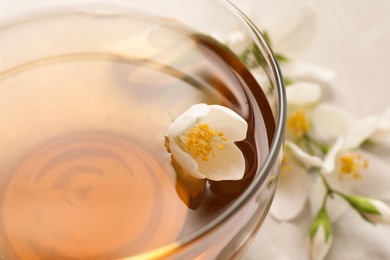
(325,162)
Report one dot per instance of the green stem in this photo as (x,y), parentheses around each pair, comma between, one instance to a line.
(329,190)
(320,146)
(306,138)
(313,141)
(325,200)
(339,193)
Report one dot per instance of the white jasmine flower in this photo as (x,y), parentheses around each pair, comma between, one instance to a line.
(288,40)
(294,184)
(347,168)
(350,137)
(202,141)
(343,165)
(320,236)
(302,97)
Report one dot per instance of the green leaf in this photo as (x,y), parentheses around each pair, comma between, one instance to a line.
(281,58)
(267,38)
(287,82)
(253,57)
(258,55)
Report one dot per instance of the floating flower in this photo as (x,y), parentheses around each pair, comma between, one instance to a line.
(201,140)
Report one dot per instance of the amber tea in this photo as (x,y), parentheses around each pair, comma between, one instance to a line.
(85,103)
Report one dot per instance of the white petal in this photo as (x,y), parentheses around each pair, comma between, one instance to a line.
(264,246)
(320,246)
(228,164)
(330,159)
(375,180)
(302,25)
(261,77)
(382,134)
(291,195)
(329,122)
(187,119)
(223,119)
(383,217)
(185,160)
(307,159)
(336,206)
(362,130)
(238,41)
(316,196)
(303,93)
(298,70)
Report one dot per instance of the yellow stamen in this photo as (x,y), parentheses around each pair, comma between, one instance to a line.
(286,165)
(350,166)
(298,124)
(200,141)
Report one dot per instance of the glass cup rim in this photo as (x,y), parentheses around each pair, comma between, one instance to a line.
(276,145)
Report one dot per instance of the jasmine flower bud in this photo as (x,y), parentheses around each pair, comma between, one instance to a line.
(320,235)
(372,210)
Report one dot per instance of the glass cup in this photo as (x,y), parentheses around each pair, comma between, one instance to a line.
(228,234)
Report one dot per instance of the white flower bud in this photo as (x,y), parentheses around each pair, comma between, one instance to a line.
(372,210)
(320,236)
(384,212)
(320,245)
